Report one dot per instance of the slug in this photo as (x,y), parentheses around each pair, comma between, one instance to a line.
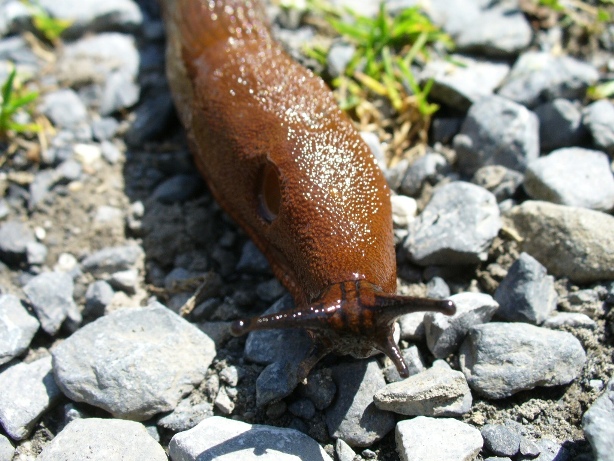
(290,168)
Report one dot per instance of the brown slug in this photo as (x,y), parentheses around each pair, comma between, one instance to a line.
(289,167)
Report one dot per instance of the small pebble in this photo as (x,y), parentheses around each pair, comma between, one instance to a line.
(223,402)
(51,296)
(319,388)
(28,390)
(352,416)
(569,319)
(303,408)
(14,239)
(598,117)
(112,259)
(560,125)
(444,334)
(501,181)
(527,293)
(500,440)
(17,328)
(186,415)
(344,451)
(438,391)
(435,439)
(64,108)
(429,167)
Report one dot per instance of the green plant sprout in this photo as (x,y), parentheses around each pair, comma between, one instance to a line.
(590,17)
(601,90)
(51,28)
(14,100)
(386,47)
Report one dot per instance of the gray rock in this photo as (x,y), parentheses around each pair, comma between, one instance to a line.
(186,415)
(437,288)
(501,181)
(549,451)
(223,401)
(598,424)
(89,58)
(443,129)
(6,449)
(412,326)
(344,451)
(500,359)
(538,77)
(572,176)
(526,293)
(104,128)
(64,108)
(353,416)
(444,334)
(503,30)
(14,239)
(598,117)
(252,260)
(500,440)
(435,439)
(36,254)
(134,363)
(460,81)
(287,344)
(560,124)
(126,281)
(97,297)
(528,448)
(339,56)
(319,388)
(404,210)
(40,187)
(110,152)
(438,391)
(51,295)
(303,408)
(93,16)
(152,116)
(414,362)
(569,319)
(497,131)
(179,188)
(112,259)
(13,17)
(101,440)
(120,92)
(216,437)
(276,381)
(456,227)
(571,242)
(17,328)
(429,167)
(28,390)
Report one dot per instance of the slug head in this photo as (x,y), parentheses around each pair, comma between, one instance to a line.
(354,318)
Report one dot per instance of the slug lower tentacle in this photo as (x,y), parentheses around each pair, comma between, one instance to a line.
(290,168)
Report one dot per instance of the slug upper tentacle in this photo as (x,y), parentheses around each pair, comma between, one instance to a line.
(289,167)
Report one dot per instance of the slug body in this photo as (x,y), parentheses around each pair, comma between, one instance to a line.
(289,167)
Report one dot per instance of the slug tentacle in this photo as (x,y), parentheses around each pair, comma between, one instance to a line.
(353,318)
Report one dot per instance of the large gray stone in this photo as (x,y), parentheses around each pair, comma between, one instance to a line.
(571,242)
(598,424)
(438,391)
(572,176)
(598,117)
(97,439)
(497,131)
(353,416)
(501,359)
(539,76)
(437,439)
(217,438)
(51,295)
(456,227)
(28,390)
(134,363)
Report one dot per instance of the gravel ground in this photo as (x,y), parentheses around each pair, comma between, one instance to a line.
(106,230)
